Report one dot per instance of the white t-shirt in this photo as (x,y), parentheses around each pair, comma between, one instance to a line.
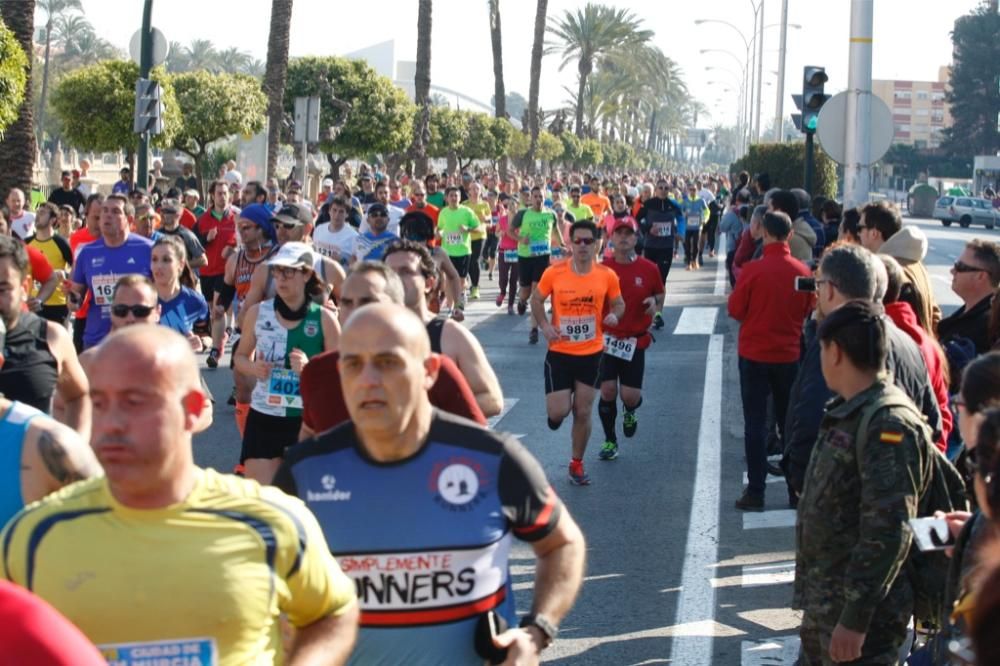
(233,176)
(395,215)
(23,226)
(337,245)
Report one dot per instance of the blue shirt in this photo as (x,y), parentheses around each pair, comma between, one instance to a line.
(695,212)
(183,310)
(99,267)
(370,246)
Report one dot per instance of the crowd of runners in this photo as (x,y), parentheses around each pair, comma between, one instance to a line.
(357,390)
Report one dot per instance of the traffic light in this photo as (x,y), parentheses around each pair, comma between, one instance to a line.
(813,98)
(148,107)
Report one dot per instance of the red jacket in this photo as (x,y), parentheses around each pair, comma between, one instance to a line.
(769,309)
(905,318)
(743,252)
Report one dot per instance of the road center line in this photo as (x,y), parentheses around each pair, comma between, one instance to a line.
(696,602)
(697,321)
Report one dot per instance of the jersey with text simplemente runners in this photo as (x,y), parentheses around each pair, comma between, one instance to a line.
(578,305)
(638,280)
(209,574)
(426,539)
(99,267)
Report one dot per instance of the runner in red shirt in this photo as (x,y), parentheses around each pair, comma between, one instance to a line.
(88,233)
(625,343)
(216,229)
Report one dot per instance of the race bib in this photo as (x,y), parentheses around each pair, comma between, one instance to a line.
(283,389)
(557,253)
(694,219)
(662,229)
(453,238)
(578,329)
(186,651)
(623,348)
(510,256)
(103,287)
(538,249)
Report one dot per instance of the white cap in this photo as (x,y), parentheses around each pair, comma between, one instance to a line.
(293,255)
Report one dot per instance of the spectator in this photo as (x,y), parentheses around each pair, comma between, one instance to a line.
(750,241)
(850,227)
(974,278)
(67,194)
(771,313)
(732,226)
(806,214)
(830,214)
(803,237)
(882,231)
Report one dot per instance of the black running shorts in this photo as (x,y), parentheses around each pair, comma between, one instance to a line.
(268,436)
(564,371)
(530,269)
(626,373)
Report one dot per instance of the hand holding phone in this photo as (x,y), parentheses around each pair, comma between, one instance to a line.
(931,534)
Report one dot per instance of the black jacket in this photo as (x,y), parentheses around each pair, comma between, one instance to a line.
(973,324)
(809,395)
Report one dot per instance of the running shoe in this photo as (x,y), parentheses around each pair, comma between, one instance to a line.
(608,452)
(232,397)
(522,307)
(239,470)
(577,475)
(499,300)
(658,321)
(510,309)
(213,359)
(533,336)
(474,293)
(629,423)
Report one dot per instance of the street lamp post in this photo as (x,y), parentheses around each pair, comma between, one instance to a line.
(759,35)
(779,109)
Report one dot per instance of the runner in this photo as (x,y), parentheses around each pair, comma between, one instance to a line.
(323,405)
(611,221)
(216,229)
(695,214)
(336,239)
(537,231)
(39,455)
(395,213)
(88,233)
(372,243)
(658,223)
(507,252)
(581,211)
(455,222)
(412,261)
(171,226)
(484,213)
(625,344)
(419,228)
(180,305)
(206,561)
(579,289)
(423,506)
(282,333)
(20,222)
(492,240)
(59,255)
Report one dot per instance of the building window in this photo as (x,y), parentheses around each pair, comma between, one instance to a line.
(902,94)
(937,96)
(937,116)
(922,112)
(902,110)
(922,94)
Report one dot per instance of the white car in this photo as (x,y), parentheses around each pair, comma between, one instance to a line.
(966,211)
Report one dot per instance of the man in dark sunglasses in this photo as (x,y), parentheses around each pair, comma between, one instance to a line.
(974,278)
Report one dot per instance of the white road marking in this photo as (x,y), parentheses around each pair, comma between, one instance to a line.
(770,652)
(697,321)
(508,404)
(768,574)
(696,602)
(721,278)
(767,519)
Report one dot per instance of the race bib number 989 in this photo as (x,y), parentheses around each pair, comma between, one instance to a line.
(578,329)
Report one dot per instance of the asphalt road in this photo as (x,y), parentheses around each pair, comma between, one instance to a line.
(675,574)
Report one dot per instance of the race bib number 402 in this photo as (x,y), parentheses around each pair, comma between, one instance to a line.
(623,348)
(578,329)
(283,389)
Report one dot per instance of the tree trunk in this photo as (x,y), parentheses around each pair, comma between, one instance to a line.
(499,90)
(275,76)
(17,150)
(536,75)
(45,80)
(422,89)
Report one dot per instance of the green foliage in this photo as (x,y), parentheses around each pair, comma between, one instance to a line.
(519,145)
(217,156)
(618,154)
(572,148)
(215,106)
(785,163)
(96,106)
(488,137)
(13,77)
(449,132)
(591,152)
(974,92)
(550,148)
(380,119)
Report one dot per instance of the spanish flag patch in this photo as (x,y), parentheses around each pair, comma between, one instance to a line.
(891,437)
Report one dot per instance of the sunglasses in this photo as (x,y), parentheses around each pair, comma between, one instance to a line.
(286,272)
(288,226)
(584,241)
(139,311)
(962,267)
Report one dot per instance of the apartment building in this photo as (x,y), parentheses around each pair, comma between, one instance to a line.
(919,109)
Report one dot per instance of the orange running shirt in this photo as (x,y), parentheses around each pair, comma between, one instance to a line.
(578,305)
(600,204)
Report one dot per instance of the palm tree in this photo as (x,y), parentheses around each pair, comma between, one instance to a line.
(275,77)
(537,48)
(52,9)
(421,89)
(201,54)
(499,93)
(234,61)
(177,60)
(17,149)
(593,32)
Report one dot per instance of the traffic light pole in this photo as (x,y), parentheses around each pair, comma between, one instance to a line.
(857,149)
(807,179)
(145,64)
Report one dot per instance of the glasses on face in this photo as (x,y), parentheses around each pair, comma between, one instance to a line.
(287,226)
(962,267)
(370,215)
(286,272)
(138,311)
(417,194)
(584,241)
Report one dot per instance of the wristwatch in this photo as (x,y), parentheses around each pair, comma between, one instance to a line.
(543,624)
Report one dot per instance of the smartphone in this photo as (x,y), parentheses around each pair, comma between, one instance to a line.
(931,533)
(805,283)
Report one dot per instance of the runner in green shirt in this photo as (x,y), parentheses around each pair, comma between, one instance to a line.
(537,230)
(455,222)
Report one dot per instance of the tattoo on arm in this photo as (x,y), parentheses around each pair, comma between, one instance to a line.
(57,460)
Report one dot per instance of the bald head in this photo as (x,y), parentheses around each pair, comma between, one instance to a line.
(395,321)
(161,350)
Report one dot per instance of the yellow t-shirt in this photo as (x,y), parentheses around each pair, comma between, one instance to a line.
(55,250)
(483,212)
(207,575)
